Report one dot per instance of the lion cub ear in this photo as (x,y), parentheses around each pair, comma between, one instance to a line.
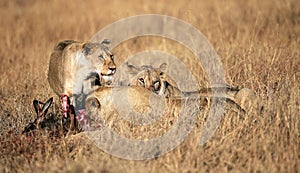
(86,48)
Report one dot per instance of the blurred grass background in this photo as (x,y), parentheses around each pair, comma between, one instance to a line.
(257,41)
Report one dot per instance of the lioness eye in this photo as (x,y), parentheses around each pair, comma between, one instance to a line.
(101,57)
(112,57)
(141,81)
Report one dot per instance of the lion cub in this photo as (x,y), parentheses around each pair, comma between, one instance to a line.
(73,64)
(157,81)
(134,105)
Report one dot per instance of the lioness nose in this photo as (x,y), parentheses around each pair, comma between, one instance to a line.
(112,69)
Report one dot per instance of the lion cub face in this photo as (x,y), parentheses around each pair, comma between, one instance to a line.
(148,77)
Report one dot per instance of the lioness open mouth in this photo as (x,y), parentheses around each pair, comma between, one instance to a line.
(107,78)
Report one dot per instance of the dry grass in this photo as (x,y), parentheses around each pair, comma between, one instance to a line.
(257,41)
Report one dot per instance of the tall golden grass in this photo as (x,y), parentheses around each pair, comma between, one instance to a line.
(258,43)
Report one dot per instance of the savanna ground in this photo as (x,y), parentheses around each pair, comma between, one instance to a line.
(257,42)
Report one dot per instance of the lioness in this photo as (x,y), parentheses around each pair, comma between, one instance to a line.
(73,63)
(157,81)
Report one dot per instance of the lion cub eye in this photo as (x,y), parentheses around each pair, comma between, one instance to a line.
(141,81)
(156,85)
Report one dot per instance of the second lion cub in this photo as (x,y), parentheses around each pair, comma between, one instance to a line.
(157,81)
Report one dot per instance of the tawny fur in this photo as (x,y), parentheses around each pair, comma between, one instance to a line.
(72,62)
(137,97)
(134,101)
(157,81)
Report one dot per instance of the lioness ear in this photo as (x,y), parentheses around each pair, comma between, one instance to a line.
(163,67)
(86,48)
(131,69)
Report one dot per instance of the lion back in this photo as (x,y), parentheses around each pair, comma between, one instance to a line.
(56,66)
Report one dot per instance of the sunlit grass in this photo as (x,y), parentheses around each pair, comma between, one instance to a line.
(257,42)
